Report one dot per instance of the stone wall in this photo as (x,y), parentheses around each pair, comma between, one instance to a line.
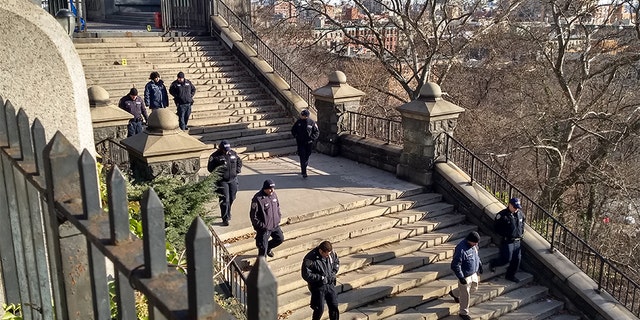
(116,132)
(370,151)
(186,168)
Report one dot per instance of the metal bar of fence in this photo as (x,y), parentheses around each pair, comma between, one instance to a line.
(574,248)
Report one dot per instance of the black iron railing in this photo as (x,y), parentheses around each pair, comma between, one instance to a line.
(113,153)
(229,272)
(367,126)
(591,262)
(249,37)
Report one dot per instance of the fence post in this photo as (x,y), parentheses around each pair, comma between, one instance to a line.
(262,287)
(200,270)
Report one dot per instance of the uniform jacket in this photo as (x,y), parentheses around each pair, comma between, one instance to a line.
(182,92)
(155,95)
(466,260)
(135,107)
(229,163)
(314,267)
(305,131)
(265,211)
(508,225)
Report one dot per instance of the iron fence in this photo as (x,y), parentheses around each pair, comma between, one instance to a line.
(234,281)
(367,126)
(112,153)
(185,14)
(55,239)
(296,84)
(604,272)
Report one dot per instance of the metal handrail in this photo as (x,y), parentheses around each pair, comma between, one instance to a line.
(600,269)
(368,126)
(229,270)
(296,84)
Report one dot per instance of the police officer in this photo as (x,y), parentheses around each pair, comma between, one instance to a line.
(319,269)
(182,91)
(265,217)
(306,132)
(155,93)
(509,224)
(133,104)
(229,165)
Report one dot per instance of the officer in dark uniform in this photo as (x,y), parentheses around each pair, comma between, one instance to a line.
(265,217)
(133,104)
(306,132)
(319,269)
(229,165)
(509,224)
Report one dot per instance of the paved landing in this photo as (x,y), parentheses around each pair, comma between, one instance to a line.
(333,182)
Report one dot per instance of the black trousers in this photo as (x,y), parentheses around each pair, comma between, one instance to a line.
(304,152)
(226,194)
(509,253)
(319,296)
(264,244)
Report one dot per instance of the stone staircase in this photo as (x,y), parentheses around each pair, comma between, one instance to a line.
(229,103)
(395,256)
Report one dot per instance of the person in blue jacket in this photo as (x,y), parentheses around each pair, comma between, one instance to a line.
(466,265)
(155,93)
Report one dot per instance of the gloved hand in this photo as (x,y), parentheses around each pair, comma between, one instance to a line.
(480,270)
(462,280)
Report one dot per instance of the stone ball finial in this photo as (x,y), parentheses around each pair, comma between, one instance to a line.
(163,119)
(98,96)
(430,90)
(337,77)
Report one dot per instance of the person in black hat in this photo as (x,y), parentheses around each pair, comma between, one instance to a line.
(155,93)
(466,265)
(133,104)
(228,165)
(265,217)
(319,269)
(509,224)
(306,133)
(183,91)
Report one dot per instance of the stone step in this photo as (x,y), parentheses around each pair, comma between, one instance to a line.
(231,135)
(196,130)
(136,75)
(150,48)
(421,277)
(143,37)
(539,310)
(201,112)
(270,153)
(563,317)
(163,66)
(144,60)
(146,44)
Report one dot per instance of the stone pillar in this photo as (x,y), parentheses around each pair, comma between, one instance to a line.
(108,120)
(332,101)
(162,148)
(422,120)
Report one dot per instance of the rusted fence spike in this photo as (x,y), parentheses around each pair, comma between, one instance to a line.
(4,139)
(61,157)
(118,206)
(153,234)
(12,125)
(89,185)
(125,299)
(39,142)
(26,145)
(261,284)
(199,270)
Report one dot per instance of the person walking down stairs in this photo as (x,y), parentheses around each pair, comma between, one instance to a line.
(183,91)
(305,131)
(319,269)
(133,104)
(466,265)
(155,93)
(228,164)
(509,224)
(265,218)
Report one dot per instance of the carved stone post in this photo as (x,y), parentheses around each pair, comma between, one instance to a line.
(422,120)
(108,120)
(162,148)
(332,101)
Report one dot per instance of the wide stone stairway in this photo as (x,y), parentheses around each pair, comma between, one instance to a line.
(394,240)
(229,103)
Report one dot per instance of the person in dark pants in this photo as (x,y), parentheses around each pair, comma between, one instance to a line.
(183,91)
(229,165)
(265,217)
(509,224)
(306,132)
(133,104)
(466,265)
(155,93)
(319,269)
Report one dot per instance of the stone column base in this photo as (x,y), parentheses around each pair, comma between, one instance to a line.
(421,177)
(331,148)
